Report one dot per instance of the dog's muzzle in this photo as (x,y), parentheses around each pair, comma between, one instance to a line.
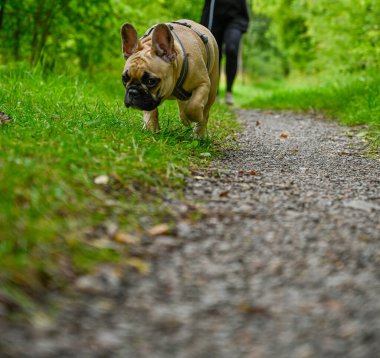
(139,98)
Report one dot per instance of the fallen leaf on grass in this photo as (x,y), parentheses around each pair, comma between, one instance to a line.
(41,321)
(103,243)
(253,309)
(106,279)
(101,179)
(125,238)
(4,118)
(249,172)
(361,134)
(160,229)
(284,135)
(224,194)
(346,153)
(138,264)
(206,154)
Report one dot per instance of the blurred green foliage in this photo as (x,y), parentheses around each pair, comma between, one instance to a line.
(285,36)
(312,37)
(73,33)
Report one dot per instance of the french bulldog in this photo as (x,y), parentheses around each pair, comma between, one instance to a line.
(177,60)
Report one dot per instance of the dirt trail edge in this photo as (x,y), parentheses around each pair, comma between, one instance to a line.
(285,261)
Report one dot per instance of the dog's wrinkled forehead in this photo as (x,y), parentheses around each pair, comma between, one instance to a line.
(136,66)
(145,61)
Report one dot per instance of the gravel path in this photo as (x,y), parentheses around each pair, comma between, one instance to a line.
(284,263)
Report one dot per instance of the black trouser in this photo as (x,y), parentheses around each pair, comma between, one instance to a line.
(230,37)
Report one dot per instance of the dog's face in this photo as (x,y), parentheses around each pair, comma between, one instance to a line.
(148,75)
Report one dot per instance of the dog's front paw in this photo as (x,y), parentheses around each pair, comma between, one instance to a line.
(186,122)
(199,131)
(151,127)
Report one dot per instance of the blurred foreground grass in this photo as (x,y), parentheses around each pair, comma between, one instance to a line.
(66,134)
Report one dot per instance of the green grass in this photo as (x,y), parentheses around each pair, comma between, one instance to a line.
(354,100)
(65,131)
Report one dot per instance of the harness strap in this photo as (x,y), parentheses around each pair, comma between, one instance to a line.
(179,92)
(202,36)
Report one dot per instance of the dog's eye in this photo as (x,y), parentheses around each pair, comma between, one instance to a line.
(152,82)
(125,79)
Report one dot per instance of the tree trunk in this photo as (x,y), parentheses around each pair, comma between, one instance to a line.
(2,11)
(16,43)
(43,26)
(37,22)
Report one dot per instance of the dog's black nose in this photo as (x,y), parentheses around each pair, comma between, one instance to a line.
(133,92)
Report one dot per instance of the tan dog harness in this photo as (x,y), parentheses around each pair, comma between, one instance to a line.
(179,92)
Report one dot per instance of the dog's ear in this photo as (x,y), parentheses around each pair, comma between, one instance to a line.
(163,43)
(128,39)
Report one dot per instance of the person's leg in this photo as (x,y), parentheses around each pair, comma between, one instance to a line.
(232,37)
(219,36)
